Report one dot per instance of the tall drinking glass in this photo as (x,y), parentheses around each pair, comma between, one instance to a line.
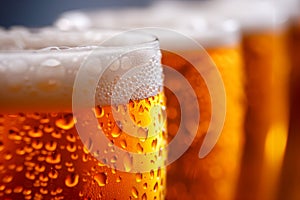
(47,148)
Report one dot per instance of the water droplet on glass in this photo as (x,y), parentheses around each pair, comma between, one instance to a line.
(51,145)
(123,144)
(134,192)
(53,159)
(7,178)
(18,189)
(128,162)
(72,180)
(144,197)
(155,188)
(51,63)
(35,133)
(139,147)
(36,144)
(101,179)
(151,174)
(71,147)
(66,123)
(118,180)
(154,144)
(145,186)
(53,174)
(138,177)
(99,112)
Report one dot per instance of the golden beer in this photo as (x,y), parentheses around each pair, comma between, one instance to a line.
(41,153)
(289,185)
(266,120)
(213,177)
(189,177)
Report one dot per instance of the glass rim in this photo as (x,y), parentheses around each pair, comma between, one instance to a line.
(25,36)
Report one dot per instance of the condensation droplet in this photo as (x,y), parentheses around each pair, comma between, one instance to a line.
(72,180)
(18,189)
(51,63)
(145,186)
(155,188)
(151,174)
(71,138)
(40,168)
(99,112)
(116,132)
(118,180)
(101,179)
(30,175)
(43,178)
(134,192)
(128,162)
(7,178)
(74,156)
(66,123)
(1,146)
(51,146)
(20,151)
(36,144)
(19,168)
(27,192)
(154,144)
(123,144)
(139,147)
(56,135)
(138,177)
(142,133)
(8,191)
(144,197)
(71,147)
(53,159)
(53,174)
(43,191)
(35,133)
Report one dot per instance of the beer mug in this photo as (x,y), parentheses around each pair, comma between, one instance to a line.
(49,83)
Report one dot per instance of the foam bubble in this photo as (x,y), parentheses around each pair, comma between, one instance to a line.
(39,74)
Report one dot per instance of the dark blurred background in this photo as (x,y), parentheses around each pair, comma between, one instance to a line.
(35,13)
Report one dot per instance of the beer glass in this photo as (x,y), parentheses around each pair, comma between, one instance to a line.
(44,153)
(212,177)
(290,174)
(266,67)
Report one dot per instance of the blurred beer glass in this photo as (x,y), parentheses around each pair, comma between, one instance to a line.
(264,31)
(42,155)
(289,185)
(212,177)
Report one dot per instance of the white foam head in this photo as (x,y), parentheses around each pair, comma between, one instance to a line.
(207,29)
(256,15)
(38,68)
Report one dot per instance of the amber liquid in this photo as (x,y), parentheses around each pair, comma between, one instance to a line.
(213,177)
(266,71)
(290,177)
(42,157)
